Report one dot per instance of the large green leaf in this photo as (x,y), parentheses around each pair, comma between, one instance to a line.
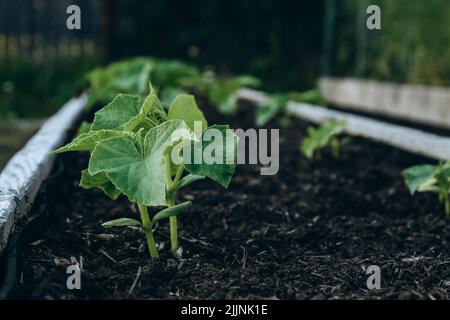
(139,174)
(172,211)
(185,108)
(420,178)
(221,166)
(88,141)
(117,113)
(101,181)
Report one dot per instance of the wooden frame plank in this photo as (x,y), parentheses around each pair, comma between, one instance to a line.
(408,139)
(416,103)
(21,178)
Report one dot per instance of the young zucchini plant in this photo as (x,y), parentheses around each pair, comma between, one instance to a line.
(222,92)
(131,142)
(276,106)
(327,135)
(429,178)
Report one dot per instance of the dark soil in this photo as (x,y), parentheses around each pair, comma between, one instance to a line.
(306,233)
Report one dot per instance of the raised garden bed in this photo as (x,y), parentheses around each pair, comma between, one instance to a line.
(305,233)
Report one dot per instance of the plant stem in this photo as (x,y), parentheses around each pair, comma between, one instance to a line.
(174,234)
(171,202)
(178,174)
(147,226)
(173,228)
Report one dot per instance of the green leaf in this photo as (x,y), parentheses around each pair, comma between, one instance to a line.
(101,181)
(117,113)
(88,141)
(321,137)
(185,108)
(173,73)
(150,115)
(128,76)
(139,174)
(247,81)
(229,105)
(168,95)
(218,157)
(222,92)
(187,180)
(122,222)
(311,96)
(270,109)
(172,211)
(420,178)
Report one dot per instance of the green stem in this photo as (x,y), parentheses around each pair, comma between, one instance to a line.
(173,228)
(147,226)
(174,235)
(178,175)
(171,197)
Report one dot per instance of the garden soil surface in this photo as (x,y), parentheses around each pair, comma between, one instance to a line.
(308,232)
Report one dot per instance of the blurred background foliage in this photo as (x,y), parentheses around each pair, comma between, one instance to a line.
(287,44)
(412,46)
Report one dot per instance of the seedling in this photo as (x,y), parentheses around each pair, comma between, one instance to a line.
(131,141)
(273,106)
(327,135)
(429,178)
(222,92)
(276,105)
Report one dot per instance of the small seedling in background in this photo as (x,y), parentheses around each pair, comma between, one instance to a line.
(172,76)
(276,106)
(272,107)
(130,141)
(222,92)
(327,135)
(429,178)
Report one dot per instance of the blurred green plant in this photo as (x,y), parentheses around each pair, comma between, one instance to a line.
(132,76)
(412,46)
(430,178)
(171,77)
(327,135)
(276,105)
(222,91)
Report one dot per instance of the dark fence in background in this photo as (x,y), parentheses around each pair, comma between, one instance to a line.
(36,29)
(277,40)
(42,62)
